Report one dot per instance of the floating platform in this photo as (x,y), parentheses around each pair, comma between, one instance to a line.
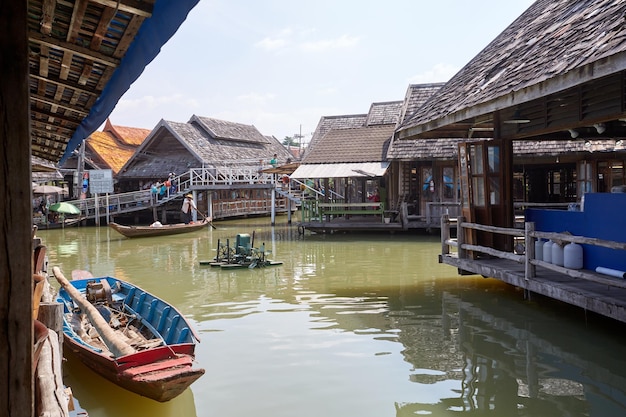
(242,255)
(225,265)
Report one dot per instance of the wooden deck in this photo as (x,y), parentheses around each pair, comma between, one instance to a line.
(603,299)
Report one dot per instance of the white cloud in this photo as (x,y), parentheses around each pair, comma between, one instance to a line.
(272,44)
(343,41)
(438,73)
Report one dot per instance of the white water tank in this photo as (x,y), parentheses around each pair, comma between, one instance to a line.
(547,251)
(539,249)
(573,256)
(557,254)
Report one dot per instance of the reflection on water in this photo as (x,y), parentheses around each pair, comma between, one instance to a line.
(351,325)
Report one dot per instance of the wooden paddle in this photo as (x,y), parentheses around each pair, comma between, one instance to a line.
(204,218)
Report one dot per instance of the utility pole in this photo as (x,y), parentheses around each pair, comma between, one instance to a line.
(299,137)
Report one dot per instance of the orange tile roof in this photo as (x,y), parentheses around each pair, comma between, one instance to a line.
(115,144)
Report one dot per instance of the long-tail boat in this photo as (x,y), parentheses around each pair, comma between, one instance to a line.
(159,229)
(129,336)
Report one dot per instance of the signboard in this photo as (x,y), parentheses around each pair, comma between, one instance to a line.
(100,181)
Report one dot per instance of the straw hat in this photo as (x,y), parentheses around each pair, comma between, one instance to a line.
(189,195)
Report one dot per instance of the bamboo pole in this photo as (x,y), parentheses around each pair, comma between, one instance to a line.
(116,346)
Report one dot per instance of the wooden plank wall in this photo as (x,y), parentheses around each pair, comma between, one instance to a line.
(16,326)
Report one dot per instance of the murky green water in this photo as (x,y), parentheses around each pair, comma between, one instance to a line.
(350,325)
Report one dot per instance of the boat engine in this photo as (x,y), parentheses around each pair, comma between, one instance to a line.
(99,292)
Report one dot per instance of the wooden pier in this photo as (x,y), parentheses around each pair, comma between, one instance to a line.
(586,289)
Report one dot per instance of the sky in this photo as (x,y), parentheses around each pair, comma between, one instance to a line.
(281,65)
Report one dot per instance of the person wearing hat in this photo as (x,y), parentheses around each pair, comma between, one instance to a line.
(188,205)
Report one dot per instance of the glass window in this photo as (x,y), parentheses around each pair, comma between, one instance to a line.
(478,188)
(476,158)
(448,182)
(493,154)
(494,191)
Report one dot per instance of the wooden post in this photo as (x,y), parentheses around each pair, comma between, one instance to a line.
(445,234)
(16,250)
(51,314)
(460,237)
(530,269)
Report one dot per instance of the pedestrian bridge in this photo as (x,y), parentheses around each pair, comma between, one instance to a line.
(196,179)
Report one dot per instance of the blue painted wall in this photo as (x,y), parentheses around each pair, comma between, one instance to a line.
(603,217)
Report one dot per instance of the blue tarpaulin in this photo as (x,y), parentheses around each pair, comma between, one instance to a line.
(166,18)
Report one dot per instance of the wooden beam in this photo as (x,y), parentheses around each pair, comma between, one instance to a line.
(139,8)
(16,253)
(79,50)
(78,14)
(52,102)
(67,84)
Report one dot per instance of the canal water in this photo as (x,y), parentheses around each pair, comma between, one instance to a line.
(350,325)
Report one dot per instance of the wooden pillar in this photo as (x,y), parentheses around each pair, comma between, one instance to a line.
(445,234)
(51,314)
(530,269)
(460,237)
(16,251)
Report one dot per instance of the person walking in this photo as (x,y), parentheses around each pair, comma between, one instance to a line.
(188,205)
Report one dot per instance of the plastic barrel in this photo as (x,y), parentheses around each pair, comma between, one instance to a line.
(539,249)
(557,254)
(547,251)
(573,256)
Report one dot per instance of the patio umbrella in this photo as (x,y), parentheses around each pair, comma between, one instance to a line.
(65,208)
(48,189)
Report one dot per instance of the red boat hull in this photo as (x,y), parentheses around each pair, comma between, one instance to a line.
(160,373)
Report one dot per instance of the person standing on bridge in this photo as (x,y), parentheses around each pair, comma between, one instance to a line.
(188,205)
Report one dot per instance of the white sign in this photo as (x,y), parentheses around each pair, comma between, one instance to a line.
(100,181)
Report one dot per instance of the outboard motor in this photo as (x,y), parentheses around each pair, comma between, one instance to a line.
(99,292)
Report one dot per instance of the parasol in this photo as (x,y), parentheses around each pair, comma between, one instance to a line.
(48,189)
(65,208)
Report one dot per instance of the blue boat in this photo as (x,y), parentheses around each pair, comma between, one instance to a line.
(129,336)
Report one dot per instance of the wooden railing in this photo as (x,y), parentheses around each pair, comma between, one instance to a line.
(527,237)
(321,211)
(351,209)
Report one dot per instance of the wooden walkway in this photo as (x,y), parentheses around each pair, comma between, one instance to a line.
(603,299)
(352,224)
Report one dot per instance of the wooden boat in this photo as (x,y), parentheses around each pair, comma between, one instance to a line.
(129,336)
(163,230)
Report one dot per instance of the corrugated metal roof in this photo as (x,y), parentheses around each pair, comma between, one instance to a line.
(348,170)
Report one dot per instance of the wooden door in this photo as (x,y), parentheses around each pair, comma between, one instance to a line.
(483,173)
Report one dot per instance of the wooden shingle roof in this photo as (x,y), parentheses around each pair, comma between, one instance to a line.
(415,97)
(409,149)
(364,144)
(551,49)
(229,131)
(447,149)
(176,147)
(327,123)
(384,113)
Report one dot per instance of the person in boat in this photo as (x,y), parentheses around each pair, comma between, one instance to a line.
(188,205)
